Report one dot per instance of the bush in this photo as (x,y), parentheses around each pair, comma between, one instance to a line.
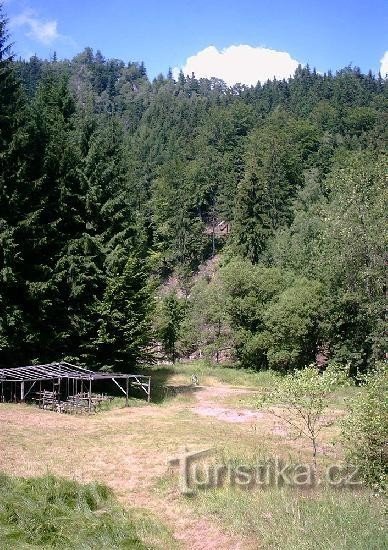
(365,430)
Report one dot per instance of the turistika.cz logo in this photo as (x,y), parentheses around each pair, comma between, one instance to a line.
(195,473)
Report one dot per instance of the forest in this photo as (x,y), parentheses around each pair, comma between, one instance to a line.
(112,187)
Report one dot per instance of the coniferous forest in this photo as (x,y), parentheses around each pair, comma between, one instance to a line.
(112,187)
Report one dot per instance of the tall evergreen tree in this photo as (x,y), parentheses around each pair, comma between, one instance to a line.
(124,332)
(14,331)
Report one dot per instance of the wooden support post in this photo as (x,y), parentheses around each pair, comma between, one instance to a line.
(30,389)
(126,392)
(149,390)
(22,392)
(90,396)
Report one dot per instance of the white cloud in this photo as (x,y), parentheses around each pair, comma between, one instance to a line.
(45,32)
(384,64)
(239,64)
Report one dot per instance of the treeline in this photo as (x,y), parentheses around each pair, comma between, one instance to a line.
(110,184)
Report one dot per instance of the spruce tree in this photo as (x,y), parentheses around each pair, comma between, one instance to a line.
(13,323)
(124,333)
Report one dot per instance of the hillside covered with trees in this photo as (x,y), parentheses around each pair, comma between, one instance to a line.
(112,184)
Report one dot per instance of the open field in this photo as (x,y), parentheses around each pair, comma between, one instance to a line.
(129,449)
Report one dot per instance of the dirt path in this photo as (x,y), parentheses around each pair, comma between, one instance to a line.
(199,533)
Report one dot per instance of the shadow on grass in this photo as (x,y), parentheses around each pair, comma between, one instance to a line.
(161,390)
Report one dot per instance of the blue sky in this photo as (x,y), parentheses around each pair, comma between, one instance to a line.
(327,34)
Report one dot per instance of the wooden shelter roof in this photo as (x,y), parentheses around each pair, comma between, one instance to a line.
(62,369)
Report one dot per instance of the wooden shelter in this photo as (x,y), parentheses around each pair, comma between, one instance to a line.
(64,387)
(218,229)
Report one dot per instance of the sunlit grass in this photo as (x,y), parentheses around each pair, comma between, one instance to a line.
(49,512)
(288,519)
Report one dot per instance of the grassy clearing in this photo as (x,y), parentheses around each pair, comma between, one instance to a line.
(337,399)
(49,512)
(284,518)
(128,450)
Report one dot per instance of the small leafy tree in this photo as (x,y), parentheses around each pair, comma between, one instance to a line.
(365,429)
(302,398)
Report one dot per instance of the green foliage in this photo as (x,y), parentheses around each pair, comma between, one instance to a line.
(249,289)
(13,324)
(265,317)
(207,325)
(65,217)
(292,325)
(365,429)
(275,155)
(338,237)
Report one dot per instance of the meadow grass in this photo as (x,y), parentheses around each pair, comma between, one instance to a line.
(51,512)
(286,519)
(179,374)
(337,400)
(129,450)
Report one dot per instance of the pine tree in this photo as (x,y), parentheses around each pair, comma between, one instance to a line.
(52,220)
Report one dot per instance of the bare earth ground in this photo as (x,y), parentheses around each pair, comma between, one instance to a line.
(206,405)
(128,449)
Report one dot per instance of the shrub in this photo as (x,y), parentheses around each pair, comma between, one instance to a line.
(365,430)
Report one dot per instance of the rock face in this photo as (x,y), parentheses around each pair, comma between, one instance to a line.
(322,357)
